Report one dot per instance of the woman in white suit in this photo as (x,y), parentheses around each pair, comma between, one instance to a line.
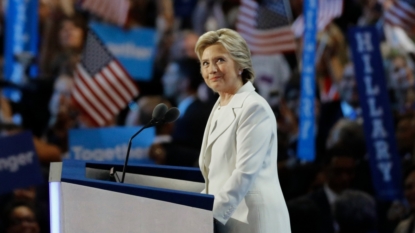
(239,151)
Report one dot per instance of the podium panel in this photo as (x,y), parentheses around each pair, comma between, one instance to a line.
(153,199)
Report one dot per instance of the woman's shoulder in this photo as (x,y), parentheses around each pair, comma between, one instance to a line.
(254,98)
(256,103)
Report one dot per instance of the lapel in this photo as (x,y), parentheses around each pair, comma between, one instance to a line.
(236,102)
(229,115)
(203,152)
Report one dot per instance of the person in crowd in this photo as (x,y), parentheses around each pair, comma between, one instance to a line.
(20,216)
(142,115)
(287,113)
(163,150)
(347,132)
(208,15)
(405,135)
(180,82)
(355,212)
(46,152)
(36,196)
(71,36)
(63,115)
(188,44)
(6,113)
(272,74)
(350,134)
(184,45)
(408,225)
(339,173)
(402,83)
(238,159)
(347,107)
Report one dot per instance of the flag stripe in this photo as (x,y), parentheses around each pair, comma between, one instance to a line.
(114,11)
(82,108)
(96,89)
(98,95)
(110,77)
(394,19)
(102,86)
(128,83)
(89,96)
(87,108)
(327,11)
(102,81)
(270,34)
(401,14)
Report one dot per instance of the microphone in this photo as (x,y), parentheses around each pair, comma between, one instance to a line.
(159,111)
(171,115)
(160,116)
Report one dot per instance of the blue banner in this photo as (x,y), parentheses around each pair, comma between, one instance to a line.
(306,140)
(21,37)
(378,124)
(134,48)
(19,164)
(110,144)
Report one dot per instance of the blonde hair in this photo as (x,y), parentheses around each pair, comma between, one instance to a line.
(234,44)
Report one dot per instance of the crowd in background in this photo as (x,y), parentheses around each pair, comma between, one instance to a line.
(332,194)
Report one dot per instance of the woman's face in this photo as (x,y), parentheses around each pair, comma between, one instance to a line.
(409,187)
(219,70)
(22,220)
(70,35)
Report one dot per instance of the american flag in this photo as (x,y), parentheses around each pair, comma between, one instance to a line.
(102,86)
(401,13)
(113,11)
(266,27)
(327,11)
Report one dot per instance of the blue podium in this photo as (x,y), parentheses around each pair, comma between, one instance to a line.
(84,198)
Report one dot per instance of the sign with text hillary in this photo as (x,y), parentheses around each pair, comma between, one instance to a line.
(19,165)
(110,144)
(378,125)
(306,140)
(134,48)
(21,39)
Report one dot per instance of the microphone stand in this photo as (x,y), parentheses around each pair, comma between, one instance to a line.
(149,124)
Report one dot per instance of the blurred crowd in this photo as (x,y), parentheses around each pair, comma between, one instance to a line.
(332,194)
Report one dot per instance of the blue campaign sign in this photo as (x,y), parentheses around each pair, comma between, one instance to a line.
(110,144)
(21,37)
(134,48)
(19,165)
(306,140)
(378,125)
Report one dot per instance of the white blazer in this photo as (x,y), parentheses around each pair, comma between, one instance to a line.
(238,161)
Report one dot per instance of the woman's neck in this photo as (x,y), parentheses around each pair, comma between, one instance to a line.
(225,98)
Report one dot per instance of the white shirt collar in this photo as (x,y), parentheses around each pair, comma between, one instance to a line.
(331,195)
